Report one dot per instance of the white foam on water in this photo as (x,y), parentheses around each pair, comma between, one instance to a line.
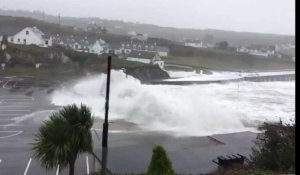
(194,110)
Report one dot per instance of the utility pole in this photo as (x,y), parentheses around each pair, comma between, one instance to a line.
(59,19)
(105,124)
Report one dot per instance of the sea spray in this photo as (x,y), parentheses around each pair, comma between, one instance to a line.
(194,110)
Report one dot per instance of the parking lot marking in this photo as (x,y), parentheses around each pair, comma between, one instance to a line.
(15,84)
(3,86)
(27,167)
(57,170)
(16,133)
(87,166)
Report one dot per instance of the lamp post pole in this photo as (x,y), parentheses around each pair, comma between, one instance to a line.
(105,124)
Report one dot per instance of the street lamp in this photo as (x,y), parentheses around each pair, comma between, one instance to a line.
(105,124)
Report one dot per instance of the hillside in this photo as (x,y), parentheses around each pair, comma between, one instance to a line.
(179,54)
(176,34)
(8,23)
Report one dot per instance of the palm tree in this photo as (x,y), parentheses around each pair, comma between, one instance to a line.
(63,137)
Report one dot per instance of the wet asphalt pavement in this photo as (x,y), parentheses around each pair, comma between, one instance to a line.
(25,104)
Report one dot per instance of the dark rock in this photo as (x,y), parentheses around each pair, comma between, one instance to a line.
(147,73)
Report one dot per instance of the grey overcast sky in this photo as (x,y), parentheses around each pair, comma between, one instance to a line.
(264,16)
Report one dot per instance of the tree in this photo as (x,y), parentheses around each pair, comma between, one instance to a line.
(275,148)
(104,30)
(4,40)
(222,45)
(65,135)
(160,163)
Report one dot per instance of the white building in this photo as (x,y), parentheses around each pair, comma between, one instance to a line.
(193,43)
(31,36)
(162,51)
(146,57)
(98,47)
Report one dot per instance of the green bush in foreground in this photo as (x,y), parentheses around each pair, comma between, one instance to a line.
(160,163)
(275,148)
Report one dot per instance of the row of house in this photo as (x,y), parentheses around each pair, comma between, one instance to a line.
(81,43)
(140,51)
(127,47)
(197,44)
(257,50)
(34,36)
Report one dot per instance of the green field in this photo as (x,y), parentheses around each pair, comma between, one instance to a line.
(231,63)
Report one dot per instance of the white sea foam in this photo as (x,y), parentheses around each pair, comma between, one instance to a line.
(186,110)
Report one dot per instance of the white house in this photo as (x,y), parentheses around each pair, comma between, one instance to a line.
(98,47)
(146,57)
(193,43)
(31,36)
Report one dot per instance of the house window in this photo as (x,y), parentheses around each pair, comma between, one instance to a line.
(76,46)
(24,41)
(19,40)
(46,42)
(27,32)
(12,39)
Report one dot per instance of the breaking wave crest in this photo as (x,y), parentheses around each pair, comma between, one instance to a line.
(194,110)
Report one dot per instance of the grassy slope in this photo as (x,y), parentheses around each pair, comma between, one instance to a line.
(230,64)
(223,59)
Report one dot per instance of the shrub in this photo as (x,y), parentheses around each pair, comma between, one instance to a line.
(160,163)
(275,148)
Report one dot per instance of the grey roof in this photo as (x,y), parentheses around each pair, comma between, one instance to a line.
(162,49)
(73,39)
(10,30)
(261,47)
(46,36)
(139,46)
(115,46)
